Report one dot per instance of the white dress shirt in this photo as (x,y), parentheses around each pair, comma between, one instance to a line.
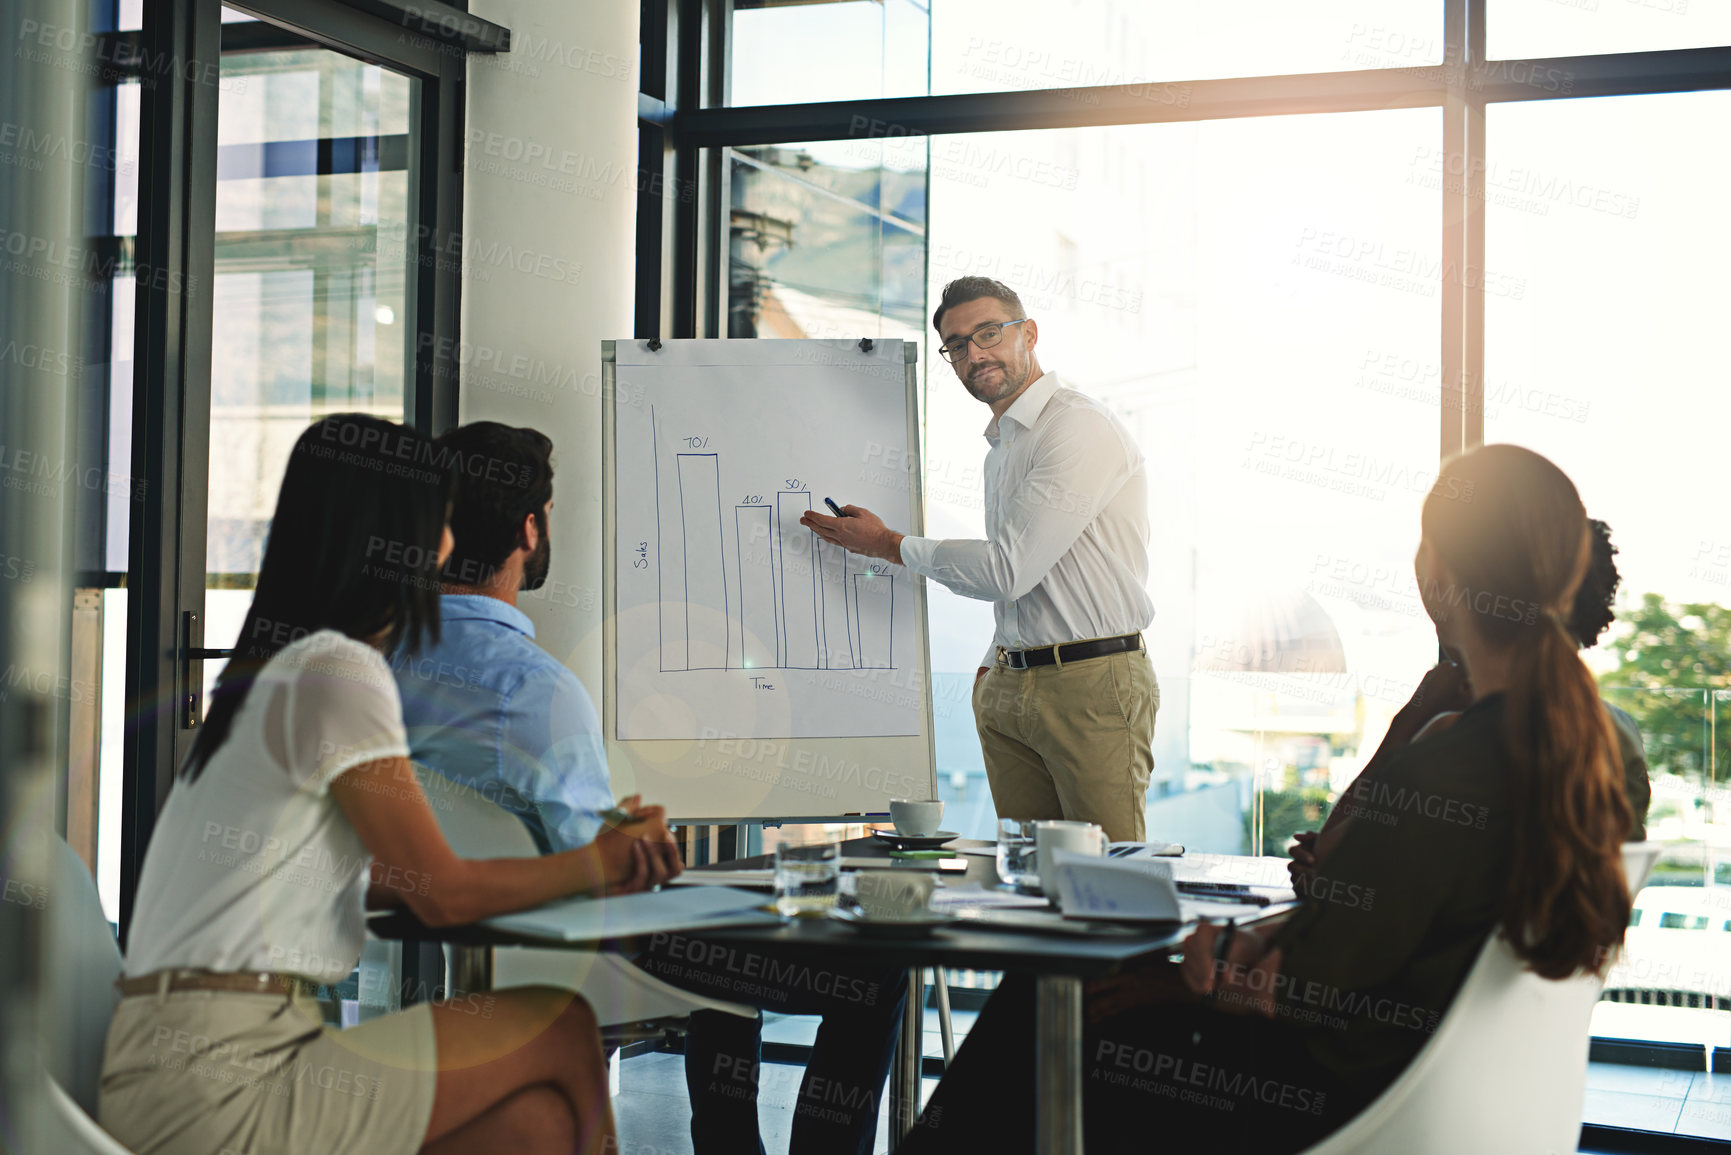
(1066,550)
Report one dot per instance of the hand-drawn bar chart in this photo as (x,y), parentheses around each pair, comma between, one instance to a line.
(704,561)
(780,598)
(727,616)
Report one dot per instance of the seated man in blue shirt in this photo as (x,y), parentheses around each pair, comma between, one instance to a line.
(488,707)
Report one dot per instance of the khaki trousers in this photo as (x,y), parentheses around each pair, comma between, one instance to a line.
(1073,741)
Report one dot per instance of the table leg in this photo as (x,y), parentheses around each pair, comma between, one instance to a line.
(905,1073)
(941,988)
(1058,1059)
(471,970)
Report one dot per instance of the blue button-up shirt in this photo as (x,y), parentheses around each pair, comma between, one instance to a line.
(488,707)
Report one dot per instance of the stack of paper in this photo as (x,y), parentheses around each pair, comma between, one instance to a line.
(955,899)
(629,915)
(1234,869)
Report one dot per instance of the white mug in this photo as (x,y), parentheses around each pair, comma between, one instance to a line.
(1076,837)
(916,819)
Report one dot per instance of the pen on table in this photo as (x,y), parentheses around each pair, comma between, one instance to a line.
(833,507)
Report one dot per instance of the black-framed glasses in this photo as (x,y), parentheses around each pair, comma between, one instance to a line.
(985,337)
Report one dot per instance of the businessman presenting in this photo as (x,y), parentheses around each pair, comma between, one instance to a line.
(1066,696)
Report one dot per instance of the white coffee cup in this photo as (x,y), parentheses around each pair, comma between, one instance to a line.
(916,819)
(1076,837)
(892,894)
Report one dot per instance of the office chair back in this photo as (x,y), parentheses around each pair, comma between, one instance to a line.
(619,992)
(1506,1071)
(474,826)
(83,962)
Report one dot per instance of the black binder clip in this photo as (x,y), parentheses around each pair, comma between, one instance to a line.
(866,345)
(655,344)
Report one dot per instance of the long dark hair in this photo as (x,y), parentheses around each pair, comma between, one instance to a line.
(353,547)
(1510,526)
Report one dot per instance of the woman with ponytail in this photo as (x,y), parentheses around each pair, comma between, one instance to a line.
(1510,821)
(1499,579)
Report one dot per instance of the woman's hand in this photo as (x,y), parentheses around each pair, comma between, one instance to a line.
(640,853)
(1242,983)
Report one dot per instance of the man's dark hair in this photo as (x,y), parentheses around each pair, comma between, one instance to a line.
(964,289)
(503,473)
(1591,613)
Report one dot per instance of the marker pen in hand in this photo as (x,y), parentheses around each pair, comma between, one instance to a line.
(833,507)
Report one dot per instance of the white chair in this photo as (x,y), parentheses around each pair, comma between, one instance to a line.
(82,962)
(618,992)
(1506,1070)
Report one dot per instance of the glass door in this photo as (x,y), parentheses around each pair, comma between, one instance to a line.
(312,296)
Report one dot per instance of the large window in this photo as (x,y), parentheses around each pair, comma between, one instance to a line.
(786,53)
(1243,334)
(1301,292)
(1612,363)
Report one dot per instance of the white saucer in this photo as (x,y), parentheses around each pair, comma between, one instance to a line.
(917,841)
(913,926)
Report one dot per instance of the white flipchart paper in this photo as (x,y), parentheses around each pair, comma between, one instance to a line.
(733,619)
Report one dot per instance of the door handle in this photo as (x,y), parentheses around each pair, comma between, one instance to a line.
(191,670)
(192,656)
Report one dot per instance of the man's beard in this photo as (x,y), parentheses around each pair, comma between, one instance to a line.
(536,567)
(1009,383)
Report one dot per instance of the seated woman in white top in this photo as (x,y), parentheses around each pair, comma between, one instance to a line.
(297,806)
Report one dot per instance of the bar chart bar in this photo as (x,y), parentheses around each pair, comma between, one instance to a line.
(795,556)
(834,610)
(757,597)
(874,615)
(706,608)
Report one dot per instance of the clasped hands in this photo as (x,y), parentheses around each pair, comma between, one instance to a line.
(636,848)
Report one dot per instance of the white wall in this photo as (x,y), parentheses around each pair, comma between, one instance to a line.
(548,219)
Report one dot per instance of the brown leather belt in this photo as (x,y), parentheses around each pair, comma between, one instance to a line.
(1069,652)
(245,982)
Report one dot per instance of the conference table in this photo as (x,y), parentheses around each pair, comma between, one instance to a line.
(1060,965)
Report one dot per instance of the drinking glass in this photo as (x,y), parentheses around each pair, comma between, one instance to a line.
(806,879)
(1016,851)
